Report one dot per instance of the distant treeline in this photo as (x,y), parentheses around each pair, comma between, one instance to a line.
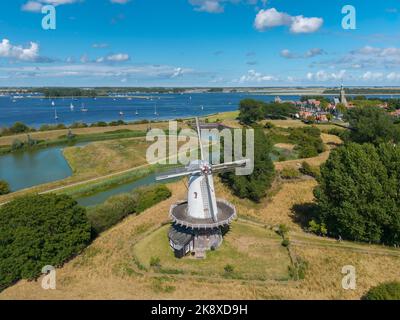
(67,92)
(104,91)
(19,127)
(365,91)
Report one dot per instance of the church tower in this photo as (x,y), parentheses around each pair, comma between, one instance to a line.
(343,99)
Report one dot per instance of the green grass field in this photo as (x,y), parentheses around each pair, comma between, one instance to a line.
(254,253)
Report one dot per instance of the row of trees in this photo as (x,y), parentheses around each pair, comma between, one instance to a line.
(255,185)
(251,111)
(358,195)
(40,230)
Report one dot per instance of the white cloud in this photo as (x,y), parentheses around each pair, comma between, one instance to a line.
(218,6)
(10,51)
(254,76)
(89,70)
(36,5)
(393,76)
(177,72)
(369,75)
(301,24)
(210,6)
(100,45)
(323,76)
(32,6)
(119,57)
(271,18)
(380,52)
(286,53)
(120,1)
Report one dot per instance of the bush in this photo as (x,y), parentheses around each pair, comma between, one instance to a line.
(19,127)
(255,185)
(297,271)
(269,125)
(283,229)
(17,145)
(112,211)
(309,170)
(290,173)
(384,291)
(308,140)
(317,228)
(4,187)
(116,208)
(155,262)
(285,243)
(229,268)
(371,125)
(358,193)
(39,230)
(149,196)
(77,125)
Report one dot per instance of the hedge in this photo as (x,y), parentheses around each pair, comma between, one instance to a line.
(39,230)
(116,208)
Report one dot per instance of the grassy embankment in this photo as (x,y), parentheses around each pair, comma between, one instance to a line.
(116,265)
(108,267)
(99,165)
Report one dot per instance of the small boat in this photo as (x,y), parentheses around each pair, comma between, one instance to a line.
(83,109)
(121,113)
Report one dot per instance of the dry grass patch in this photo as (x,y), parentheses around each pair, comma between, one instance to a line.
(107,156)
(252,251)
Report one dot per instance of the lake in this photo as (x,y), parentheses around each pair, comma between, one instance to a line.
(29,168)
(36,111)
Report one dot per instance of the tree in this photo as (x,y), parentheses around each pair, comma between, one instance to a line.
(372,125)
(19,127)
(341,108)
(384,291)
(250,111)
(255,185)
(39,230)
(4,187)
(358,196)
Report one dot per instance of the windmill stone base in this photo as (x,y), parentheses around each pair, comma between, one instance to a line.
(198,235)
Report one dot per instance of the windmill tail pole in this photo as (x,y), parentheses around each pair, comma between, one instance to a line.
(210,198)
(199,137)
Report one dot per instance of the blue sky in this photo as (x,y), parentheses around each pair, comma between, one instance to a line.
(199,43)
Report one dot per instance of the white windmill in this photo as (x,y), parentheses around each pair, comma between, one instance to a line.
(198,222)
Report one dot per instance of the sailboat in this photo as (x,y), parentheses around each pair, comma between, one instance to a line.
(202,108)
(155,110)
(53,103)
(55,114)
(121,113)
(137,112)
(83,109)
